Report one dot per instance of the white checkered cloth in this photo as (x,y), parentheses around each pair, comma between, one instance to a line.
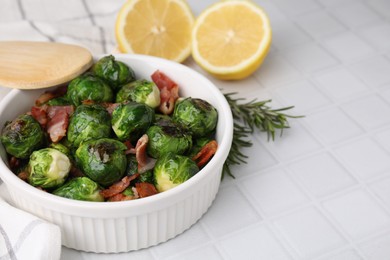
(24,236)
(88,23)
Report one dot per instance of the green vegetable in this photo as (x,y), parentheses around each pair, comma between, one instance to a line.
(168,138)
(129,121)
(116,73)
(48,168)
(132,165)
(171,170)
(140,91)
(163,120)
(62,148)
(196,115)
(22,136)
(128,191)
(59,101)
(103,160)
(80,188)
(147,176)
(88,122)
(89,87)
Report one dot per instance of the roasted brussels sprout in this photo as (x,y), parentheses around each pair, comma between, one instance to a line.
(163,120)
(196,115)
(80,188)
(102,160)
(89,87)
(129,121)
(22,136)
(172,169)
(60,147)
(48,168)
(88,122)
(168,137)
(147,176)
(132,165)
(116,73)
(59,101)
(140,91)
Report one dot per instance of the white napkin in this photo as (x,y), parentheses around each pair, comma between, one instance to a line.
(24,236)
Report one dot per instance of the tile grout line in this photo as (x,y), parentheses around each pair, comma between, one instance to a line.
(324,213)
(270,225)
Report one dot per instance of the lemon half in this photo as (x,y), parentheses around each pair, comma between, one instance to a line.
(159,28)
(230,39)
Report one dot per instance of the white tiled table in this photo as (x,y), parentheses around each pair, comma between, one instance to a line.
(322,191)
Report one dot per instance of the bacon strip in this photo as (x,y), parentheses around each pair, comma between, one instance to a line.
(23,175)
(120,197)
(205,154)
(58,121)
(52,110)
(88,102)
(110,107)
(169,92)
(118,187)
(40,114)
(48,95)
(145,162)
(57,126)
(130,149)
(14,162)
(145,189)
(55,119)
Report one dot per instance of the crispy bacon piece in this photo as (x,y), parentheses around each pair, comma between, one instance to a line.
(88,102)
(44,98)
(57,126)
(118,187)
(58,121)
(130,148)
(110,107)
(48,95)
(145,163)
(14,162)
(23,175)
(120,197)
(40,114)
(169,91)
(145,189)
(205,154)
(55,119)
(53,110)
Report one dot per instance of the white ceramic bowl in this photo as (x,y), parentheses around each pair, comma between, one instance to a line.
(129,225)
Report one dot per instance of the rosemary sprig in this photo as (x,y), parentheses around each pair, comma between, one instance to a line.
(248,117)
(240,136)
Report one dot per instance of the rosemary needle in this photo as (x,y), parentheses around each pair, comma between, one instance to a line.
(248,117)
